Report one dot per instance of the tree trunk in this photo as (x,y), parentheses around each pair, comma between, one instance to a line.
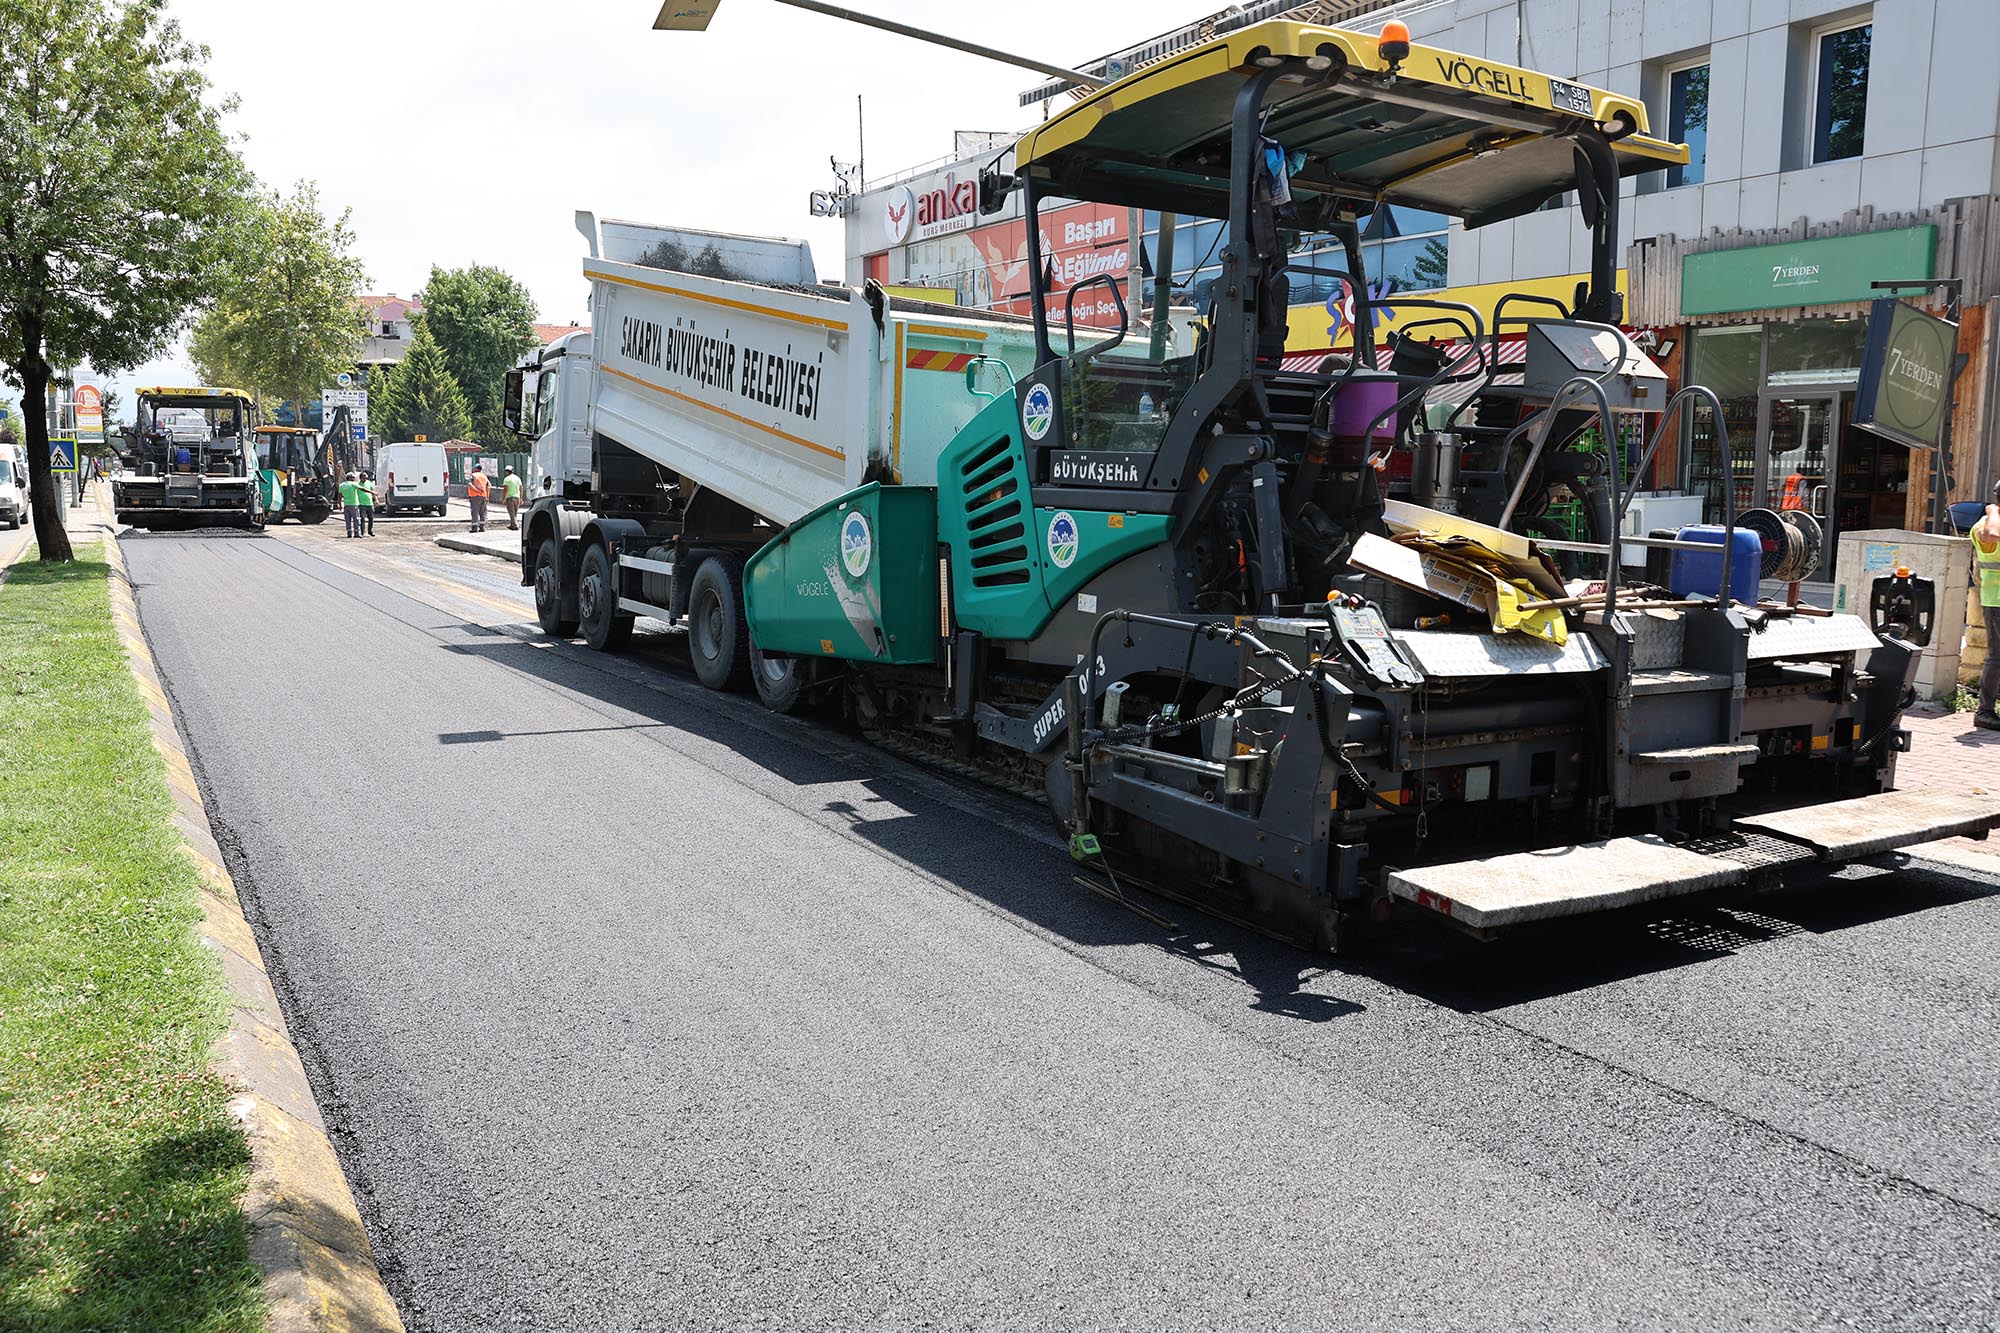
(45,497)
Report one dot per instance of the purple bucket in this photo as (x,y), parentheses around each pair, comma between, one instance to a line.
(1359,403)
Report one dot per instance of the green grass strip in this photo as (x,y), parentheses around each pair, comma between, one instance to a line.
(120,1169)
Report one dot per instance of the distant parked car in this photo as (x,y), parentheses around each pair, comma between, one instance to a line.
(13,492)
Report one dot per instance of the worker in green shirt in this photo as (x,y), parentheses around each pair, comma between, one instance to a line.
(510,491)
(350,502)
(367,493)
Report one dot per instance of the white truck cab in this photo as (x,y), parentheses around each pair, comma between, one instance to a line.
(558,382)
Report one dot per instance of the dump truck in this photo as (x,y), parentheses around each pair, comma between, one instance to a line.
(189,459)
(1284,644)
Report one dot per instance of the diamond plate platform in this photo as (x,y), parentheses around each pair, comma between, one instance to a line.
(1562,881)
(1452,653)
(1810,636)
(1843,830)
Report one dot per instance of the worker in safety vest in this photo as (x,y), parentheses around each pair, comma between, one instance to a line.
(365,493)
(1986,564)
(477,488)
(1794,494)
(350,502)
(510,491)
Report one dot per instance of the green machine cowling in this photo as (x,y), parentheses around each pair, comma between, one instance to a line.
(857,578)
(1014,563)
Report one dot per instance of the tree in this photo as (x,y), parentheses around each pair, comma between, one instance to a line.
(1432,267)
(419,396)
(287,321)
(483,321)
(118,191)
(216,358)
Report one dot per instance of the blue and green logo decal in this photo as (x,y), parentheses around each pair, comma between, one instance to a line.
(1038,411)
(1064,541)
(857,543)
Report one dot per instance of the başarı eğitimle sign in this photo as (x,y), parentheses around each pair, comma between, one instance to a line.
(1906,374)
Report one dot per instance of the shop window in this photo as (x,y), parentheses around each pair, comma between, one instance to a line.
(1408,246)
(1687,122)
(1840,93)
(1197,243)
(1816,351)
(1729,361)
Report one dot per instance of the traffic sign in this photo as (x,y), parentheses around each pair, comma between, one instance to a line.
(62,455)
(344,379)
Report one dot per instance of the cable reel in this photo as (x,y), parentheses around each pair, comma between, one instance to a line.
(1792,540)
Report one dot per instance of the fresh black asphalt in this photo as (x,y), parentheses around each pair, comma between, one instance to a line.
(631,1006)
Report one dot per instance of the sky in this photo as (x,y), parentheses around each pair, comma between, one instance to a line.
(471,131)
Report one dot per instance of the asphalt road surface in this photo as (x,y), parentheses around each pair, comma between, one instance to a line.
(631,1006)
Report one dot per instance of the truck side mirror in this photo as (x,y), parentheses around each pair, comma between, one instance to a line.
(510,402)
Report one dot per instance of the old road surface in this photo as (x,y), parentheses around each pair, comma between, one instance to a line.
(631,1006)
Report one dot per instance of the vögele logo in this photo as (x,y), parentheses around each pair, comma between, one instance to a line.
(1063,540)
(1038,411)
(857,544)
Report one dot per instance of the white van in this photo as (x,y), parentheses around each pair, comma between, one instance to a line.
(13,489)
(410,478)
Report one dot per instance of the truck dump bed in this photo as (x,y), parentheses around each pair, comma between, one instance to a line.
(723,359)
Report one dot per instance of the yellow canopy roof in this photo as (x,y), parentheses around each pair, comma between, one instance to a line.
(190,395)
(1455,134)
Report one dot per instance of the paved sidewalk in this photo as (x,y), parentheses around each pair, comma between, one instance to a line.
(1947,752)
(499,542)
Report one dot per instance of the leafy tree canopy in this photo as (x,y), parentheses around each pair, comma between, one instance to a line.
(483,321)
(287,320)
(419,396)
(118,195)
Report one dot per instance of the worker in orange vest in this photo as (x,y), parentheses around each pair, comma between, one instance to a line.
(477,488)
(1794,493)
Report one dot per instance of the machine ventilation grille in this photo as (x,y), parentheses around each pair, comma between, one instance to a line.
(990,487)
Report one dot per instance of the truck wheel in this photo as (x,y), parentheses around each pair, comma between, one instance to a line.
(314,515)
(718,632)
(604,628)
(548,591)
(780,681)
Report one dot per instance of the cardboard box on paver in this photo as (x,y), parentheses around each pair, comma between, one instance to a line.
(1869,554)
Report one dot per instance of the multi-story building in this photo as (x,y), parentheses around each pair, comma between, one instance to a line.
(1834,145)
(389,319)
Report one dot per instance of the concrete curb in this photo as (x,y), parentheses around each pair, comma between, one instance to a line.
(306,1234)
(511,555)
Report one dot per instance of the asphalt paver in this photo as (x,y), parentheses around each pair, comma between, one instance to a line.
(632,1006)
